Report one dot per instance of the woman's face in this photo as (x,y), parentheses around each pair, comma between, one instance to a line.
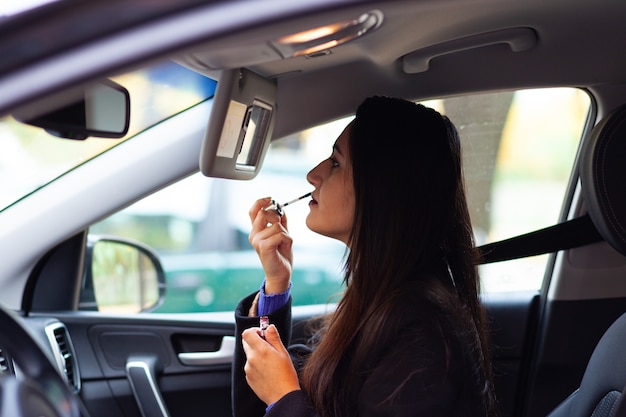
(332,205)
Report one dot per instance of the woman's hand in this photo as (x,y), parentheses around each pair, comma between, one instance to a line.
(269,370)
(271,241)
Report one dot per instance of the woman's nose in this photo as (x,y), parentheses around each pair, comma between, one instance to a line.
(313,175)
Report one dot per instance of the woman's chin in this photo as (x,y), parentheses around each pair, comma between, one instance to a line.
(313,225)
(309,224)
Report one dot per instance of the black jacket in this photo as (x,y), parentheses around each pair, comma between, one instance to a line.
(412,376)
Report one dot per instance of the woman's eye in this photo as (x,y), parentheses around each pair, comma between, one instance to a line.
(333,161)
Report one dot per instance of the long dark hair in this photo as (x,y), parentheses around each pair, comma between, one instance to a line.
(411,222)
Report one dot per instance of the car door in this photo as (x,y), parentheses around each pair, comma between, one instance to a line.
(131,364)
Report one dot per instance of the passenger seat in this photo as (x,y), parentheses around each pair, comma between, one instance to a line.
(601,171)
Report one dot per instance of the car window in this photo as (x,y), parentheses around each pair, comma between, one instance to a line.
(31,157)
(518,147)
(199,227)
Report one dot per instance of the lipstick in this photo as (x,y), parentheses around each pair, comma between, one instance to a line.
(296,199)
(264,323)
(278,208)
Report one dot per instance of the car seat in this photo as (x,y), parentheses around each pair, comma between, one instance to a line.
(601,171)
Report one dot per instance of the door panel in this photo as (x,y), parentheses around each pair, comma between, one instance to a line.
(512,321)
(105,344)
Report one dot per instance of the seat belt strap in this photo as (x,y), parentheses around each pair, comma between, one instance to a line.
(566,235)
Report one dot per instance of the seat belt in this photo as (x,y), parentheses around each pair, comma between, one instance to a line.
(566,235)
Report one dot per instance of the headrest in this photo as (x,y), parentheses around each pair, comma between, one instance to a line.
(602,172)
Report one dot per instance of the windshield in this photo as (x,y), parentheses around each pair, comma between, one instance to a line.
(31,158)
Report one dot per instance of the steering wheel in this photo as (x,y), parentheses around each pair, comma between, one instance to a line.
(39,390)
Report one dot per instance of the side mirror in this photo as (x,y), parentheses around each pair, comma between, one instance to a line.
(100,110)
(121,276)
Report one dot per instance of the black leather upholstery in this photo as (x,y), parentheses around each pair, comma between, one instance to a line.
(604,377)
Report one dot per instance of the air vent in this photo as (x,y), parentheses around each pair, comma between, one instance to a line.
(64,353)
(5,364)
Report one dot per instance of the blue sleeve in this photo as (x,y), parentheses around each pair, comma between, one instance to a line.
(270,303)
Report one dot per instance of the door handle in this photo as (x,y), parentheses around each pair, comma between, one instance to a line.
(222,356)
(141,372)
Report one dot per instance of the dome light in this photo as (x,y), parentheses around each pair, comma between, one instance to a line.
(326,37)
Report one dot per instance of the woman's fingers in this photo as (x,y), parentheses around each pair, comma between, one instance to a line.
(258,205)
(270,239)
(260,217)
(269,370)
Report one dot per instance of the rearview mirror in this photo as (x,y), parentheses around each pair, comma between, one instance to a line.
(100,110)
(121,276)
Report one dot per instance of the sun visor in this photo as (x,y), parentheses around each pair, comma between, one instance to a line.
(240,126)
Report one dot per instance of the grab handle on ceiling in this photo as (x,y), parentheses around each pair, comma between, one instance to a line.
(518,39)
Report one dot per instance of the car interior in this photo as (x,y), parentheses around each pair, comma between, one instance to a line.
(135,135)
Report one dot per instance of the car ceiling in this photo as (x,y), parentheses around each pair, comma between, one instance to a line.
(576,43)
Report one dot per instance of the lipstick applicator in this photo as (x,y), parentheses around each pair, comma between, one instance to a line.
(278,208)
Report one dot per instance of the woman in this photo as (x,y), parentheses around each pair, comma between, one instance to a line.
(408,337)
